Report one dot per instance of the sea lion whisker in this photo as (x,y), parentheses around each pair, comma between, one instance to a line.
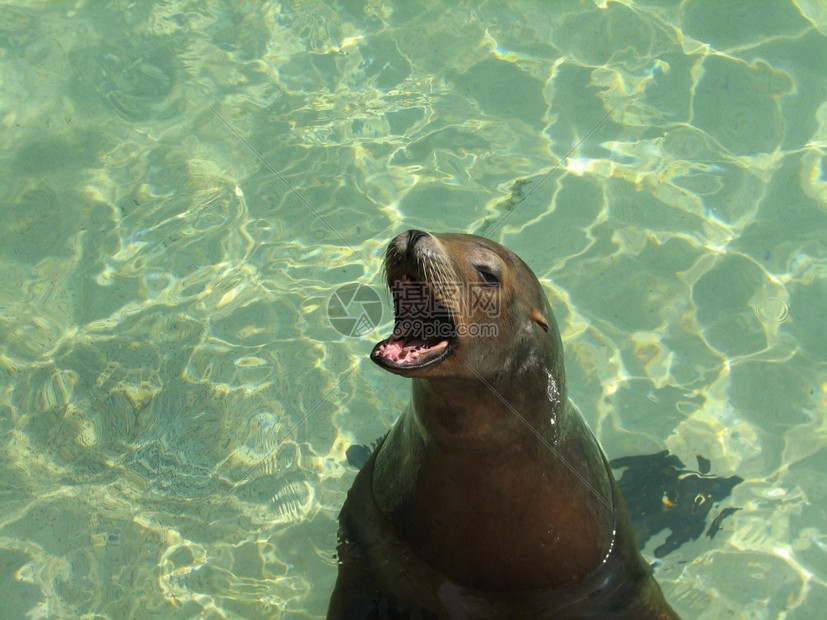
(441,279)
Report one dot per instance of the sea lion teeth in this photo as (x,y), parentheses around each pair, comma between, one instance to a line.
(402,350)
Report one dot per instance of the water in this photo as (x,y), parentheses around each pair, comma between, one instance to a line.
(185,184)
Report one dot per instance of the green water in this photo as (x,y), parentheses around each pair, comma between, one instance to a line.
(183,185)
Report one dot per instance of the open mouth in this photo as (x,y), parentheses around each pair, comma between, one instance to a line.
(423,333)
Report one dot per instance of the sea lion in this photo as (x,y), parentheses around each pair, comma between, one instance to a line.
(489,497)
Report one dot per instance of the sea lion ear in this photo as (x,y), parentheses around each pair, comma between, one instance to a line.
(538,318)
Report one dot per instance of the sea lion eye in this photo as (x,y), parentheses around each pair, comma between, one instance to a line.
(489,278)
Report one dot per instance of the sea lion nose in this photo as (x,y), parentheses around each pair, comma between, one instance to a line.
(414,236)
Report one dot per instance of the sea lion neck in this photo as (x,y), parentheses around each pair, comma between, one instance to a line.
(476,414)
(461,446)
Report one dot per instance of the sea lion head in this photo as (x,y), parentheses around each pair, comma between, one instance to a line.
(465,306)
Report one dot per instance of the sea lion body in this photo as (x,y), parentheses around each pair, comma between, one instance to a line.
(490,497)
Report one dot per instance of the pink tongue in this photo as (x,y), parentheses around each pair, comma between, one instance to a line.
(409,350)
